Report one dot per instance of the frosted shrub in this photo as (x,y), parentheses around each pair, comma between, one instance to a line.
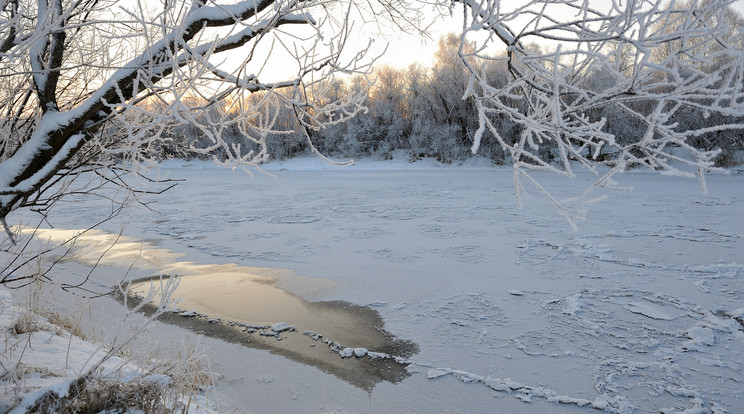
(95,395)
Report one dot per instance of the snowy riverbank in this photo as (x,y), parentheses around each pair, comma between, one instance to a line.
(46,361)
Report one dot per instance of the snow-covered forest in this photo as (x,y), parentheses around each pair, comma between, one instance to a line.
(426,112)
(99,86)
(137,277)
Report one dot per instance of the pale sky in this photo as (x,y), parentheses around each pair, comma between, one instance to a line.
(405,49)
(402,49)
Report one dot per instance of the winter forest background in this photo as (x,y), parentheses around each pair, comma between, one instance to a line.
(426,112)
(110,86)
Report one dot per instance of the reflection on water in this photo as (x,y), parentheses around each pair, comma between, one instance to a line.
(254,307)
(241,309)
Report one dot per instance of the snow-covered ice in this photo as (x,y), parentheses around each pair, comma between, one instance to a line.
(639,310)
(281,327)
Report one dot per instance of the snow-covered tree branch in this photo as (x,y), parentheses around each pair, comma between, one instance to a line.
(85,79)
(661,70)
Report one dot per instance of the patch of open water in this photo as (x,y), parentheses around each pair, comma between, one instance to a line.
(254,307)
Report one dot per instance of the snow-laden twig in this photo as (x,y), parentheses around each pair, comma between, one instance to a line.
(664,70)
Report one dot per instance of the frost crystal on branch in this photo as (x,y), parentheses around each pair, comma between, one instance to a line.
(100,85)
(634,84)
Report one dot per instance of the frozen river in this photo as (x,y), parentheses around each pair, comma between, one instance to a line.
(639,310)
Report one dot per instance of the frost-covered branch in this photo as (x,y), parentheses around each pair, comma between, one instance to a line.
(86,77)
(624,86)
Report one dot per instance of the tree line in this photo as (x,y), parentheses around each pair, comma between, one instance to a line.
(424,111)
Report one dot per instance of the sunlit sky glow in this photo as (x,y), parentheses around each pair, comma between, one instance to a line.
(401,49)
(405,49)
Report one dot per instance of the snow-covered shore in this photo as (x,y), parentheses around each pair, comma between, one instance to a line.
(46,358)
(513,311)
